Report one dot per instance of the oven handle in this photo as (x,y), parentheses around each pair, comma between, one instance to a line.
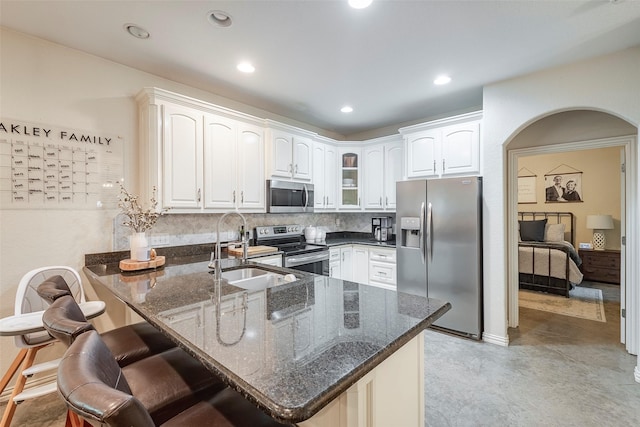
(306,259)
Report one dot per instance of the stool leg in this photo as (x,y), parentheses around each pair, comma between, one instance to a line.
(73,420)
(12,369)
(17,389)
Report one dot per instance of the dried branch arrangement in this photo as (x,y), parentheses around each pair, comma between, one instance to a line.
(139,219)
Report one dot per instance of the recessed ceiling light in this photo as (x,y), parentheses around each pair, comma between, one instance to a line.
(219,18)
(347,109)
(136,31)
(246,67)
(360,4)
(442,80)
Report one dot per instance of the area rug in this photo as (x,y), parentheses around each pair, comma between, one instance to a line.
(585,303)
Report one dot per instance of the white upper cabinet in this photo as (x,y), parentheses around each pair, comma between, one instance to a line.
(251,183)
(234,165)
(182,148)
(373,187)
(422,153)
(199,156)
(290,155)
(382,168)
(219,148)
(461,148)
(444,147)
(393,157)
(325,161)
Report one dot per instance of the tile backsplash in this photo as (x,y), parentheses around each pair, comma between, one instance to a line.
(186,229)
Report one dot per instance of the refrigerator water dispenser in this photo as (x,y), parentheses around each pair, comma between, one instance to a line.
(410,232)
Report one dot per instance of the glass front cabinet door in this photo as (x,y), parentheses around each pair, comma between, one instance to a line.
(350,179)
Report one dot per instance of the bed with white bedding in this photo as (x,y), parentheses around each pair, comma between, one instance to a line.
(547,259)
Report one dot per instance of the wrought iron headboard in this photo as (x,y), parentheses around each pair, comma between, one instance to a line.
(566,218)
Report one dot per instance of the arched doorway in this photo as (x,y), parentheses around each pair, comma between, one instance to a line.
(567,131)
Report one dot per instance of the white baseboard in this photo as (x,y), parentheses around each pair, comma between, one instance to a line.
(496,339)
(31,383)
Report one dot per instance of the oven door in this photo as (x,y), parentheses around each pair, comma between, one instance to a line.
(314,262)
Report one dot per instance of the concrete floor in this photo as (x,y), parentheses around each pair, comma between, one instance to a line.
(557,371)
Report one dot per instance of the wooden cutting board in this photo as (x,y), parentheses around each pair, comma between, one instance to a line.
(130,265)
(252,250)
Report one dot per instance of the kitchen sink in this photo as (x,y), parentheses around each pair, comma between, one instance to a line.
(253,279)
(243,273)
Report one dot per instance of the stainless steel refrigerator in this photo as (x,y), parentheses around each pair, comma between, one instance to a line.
(439,247)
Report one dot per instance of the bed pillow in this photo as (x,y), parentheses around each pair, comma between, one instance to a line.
(554,233)
(532,231)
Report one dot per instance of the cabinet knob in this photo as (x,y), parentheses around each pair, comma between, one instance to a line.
(234,196)
(291,167)
(380,200)
(199,195)
(296,168)
(242,197)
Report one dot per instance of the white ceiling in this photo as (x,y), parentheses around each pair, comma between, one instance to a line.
(314,56)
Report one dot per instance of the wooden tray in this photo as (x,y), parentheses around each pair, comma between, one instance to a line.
(252,250)
(131,265)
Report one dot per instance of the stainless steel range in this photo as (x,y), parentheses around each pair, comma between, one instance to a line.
(298,254)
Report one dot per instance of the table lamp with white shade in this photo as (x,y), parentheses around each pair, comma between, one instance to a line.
(597,223)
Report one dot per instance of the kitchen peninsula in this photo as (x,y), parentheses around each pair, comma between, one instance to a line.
(317,351)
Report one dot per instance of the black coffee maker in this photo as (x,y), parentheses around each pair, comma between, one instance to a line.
(382,228)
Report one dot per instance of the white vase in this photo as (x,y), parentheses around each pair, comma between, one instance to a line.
(139,245)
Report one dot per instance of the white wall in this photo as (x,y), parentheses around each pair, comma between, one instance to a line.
(45,83)
(609,83)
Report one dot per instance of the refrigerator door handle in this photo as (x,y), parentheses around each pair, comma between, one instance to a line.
(421,235)
(429,237)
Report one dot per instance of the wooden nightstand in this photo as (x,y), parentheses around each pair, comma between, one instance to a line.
(600,266)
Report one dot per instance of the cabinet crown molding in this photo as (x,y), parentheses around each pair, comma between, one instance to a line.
(271,124)
(476,115)
(154,95)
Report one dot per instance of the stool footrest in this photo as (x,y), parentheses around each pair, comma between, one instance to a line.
(36,392)
(41,367)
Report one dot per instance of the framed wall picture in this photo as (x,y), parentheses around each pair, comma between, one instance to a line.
(527,189)
(563,187)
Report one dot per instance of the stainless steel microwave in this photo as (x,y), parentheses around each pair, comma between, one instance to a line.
(289,197)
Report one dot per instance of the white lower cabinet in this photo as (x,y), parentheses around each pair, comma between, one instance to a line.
(335,269)
(275,260)
(364,264)
(340,262)
(392,394)
(382,268)
(360,265)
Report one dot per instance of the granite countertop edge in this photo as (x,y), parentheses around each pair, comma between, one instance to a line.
(295,414)
(107,264)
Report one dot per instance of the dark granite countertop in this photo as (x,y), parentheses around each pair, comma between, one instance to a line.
(290,349)
(356,238)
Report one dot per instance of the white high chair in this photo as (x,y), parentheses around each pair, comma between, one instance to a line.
(30,336)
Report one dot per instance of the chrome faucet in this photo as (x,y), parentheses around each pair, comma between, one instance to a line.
(243,241)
